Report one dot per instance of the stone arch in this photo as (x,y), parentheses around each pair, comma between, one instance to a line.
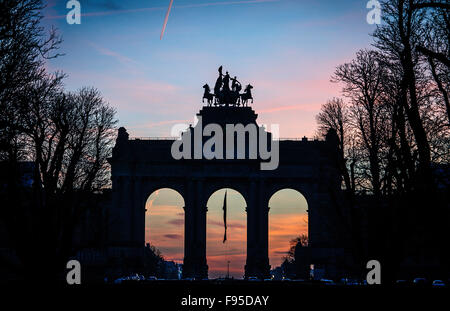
(214,186)
(148,188)
(165,188)
(304,188)
(288,209)
(170,236)
(138,167)
(234,250)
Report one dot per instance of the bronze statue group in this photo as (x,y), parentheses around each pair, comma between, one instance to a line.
(226,96)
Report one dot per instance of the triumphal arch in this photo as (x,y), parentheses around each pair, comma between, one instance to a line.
(141,166)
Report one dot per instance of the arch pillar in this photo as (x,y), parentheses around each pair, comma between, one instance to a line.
(194,263)
(138,206)
(257,264)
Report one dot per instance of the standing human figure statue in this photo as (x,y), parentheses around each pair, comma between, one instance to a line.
(226,94)
(226,82)
(217,91)
(235,89)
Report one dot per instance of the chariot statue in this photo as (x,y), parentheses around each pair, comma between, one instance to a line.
(224,95)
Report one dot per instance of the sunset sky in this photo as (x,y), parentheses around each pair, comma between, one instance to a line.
(165,227)
(287,49)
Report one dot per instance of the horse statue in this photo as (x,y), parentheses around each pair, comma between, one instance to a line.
(247,95)
(209,97)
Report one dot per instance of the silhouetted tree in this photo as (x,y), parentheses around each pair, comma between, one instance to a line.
(363,85)
(437,43)
(24,48)
(153,259)
(402,31)
(301,240)
(397,127)
(68,136)
(334,116)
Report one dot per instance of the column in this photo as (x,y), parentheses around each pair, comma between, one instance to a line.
(201,210)
(126,211)
(195,232)
(138,224)
(252,232)
(263,266)
(257,264)
(189,234)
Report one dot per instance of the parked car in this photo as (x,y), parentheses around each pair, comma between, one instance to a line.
(353,282)
(118,281)
(344,281)
(420,281)
(327,282)
(438,283)
(401,282)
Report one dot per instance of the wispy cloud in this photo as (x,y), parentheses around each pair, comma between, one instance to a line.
(176,222)
(119,57)
(173,236)
(229,224)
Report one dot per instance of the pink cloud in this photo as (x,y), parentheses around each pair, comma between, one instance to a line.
(177,222)
(229,224)
(173,236)
(107,52)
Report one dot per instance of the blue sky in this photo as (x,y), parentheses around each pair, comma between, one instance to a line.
(286,49)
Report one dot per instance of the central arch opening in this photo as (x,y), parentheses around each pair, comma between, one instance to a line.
(226,259)
(164,223)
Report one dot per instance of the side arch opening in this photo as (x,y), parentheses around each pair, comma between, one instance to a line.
(288,234)
(164,230)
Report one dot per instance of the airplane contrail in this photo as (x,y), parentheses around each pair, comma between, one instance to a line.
(165,20)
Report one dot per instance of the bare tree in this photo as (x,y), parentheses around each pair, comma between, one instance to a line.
(334,116)
(363,85)
(398,37)
(438,40)
(68,136)
(301,240)
(24,47)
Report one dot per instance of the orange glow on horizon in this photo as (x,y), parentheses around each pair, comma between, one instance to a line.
(165,228)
